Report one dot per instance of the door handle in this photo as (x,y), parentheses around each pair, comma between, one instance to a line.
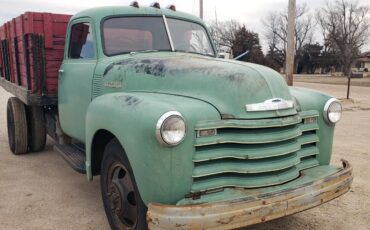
(61,72)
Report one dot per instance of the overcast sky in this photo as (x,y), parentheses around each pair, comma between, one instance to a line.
(248,12)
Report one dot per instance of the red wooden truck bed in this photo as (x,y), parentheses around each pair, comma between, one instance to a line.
(31,52)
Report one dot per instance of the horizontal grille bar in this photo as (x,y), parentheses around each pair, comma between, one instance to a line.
(249,124)
(308,138)
(241,151)
(308,113)
(308,127)
(308,150)
(246,166)
(254,136)
(308,162)
(245,180)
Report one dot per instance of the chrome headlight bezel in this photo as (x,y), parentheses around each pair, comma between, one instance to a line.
(327,107)
(160,125)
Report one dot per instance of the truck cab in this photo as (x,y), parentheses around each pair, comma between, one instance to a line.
(182,139)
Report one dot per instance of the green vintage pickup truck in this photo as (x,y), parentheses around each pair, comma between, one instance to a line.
(181,139)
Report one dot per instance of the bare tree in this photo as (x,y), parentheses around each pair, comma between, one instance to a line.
(276,24)
(225,33)
(346,28)
(232,36)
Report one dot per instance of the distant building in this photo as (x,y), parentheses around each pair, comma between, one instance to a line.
(318,60)
(363,61)
(362,64)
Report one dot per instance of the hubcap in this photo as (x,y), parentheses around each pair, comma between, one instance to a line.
(121,196)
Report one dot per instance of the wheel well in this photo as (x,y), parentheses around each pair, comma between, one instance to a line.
(100,140)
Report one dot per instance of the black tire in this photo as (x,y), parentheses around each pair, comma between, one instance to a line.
(17,126)
(36,128)
(119,190)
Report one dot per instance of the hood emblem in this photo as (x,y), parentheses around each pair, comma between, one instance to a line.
(271,104)
(113,84)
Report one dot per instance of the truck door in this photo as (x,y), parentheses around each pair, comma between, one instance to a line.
(75,78)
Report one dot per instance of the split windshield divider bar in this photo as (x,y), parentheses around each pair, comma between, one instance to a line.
(168,32)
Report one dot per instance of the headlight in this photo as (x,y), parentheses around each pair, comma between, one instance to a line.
(332,111)
(171,128)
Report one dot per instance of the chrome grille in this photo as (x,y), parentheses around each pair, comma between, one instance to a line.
(254,153)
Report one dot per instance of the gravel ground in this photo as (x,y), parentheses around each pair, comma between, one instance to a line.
(40,191)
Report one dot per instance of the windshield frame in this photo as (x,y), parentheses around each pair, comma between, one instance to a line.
(168,33)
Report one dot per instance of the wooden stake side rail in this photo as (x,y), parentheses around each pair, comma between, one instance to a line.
(31,52)
(26,96)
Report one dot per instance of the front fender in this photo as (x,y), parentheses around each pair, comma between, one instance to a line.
(309,99)
(162,174)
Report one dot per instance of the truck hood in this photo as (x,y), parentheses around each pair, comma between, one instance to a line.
(226,84)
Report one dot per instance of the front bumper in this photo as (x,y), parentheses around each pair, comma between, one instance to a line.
(254,209)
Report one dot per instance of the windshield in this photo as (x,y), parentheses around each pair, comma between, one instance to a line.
(143,34)
(125,35)
(189,37)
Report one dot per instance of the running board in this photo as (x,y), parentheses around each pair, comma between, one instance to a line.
(73,155)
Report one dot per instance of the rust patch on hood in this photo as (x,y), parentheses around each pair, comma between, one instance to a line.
(126,100)
(160,67)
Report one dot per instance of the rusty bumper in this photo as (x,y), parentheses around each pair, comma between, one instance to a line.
(245,212)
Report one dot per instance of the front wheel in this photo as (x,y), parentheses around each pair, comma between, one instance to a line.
(122,202)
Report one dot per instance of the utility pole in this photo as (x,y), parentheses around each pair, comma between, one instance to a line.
(349,74)
(291,42)
(348,84)
(201,9)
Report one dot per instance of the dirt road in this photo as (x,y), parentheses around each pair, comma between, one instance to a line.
(327,79)
(40,191)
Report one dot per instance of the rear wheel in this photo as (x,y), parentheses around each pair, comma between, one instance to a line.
(122,202)
(36,128)
(17,126)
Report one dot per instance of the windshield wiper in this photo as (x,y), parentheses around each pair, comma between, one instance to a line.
(143,51)
(192,52)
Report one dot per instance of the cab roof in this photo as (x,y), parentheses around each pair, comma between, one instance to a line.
(99,13)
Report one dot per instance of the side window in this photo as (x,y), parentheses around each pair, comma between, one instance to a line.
(81,45)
